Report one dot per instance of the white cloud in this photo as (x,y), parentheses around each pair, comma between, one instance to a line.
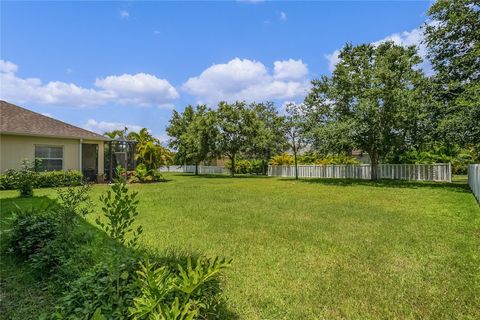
(289,69)
(137,90)
(124,14)
(103,126)
(283,16)
(8,67)
(406,38)
(249,80)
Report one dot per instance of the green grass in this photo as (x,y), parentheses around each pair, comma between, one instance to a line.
(314,249)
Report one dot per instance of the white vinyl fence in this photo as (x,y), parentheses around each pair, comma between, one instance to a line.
(422,172)
(474,179)
(191,169)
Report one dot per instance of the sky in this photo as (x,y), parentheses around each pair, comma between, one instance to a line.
(106,65)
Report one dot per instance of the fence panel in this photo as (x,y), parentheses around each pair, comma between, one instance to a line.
(191,169)
(474,179)
(421,172)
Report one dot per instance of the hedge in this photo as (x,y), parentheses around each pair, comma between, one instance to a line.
(47,179)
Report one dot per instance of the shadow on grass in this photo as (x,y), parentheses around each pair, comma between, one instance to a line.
(455,186)
(29,292)
(224,176)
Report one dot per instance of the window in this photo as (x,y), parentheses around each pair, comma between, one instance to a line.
(52,157)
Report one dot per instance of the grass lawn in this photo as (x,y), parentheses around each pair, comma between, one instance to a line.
(314,249)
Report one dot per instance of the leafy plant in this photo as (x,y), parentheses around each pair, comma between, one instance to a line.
(144,175)
(25,179)
(337,159)
(32,229)
(96,293)
(186,295)
(283,159)
(48,179)
(120,210)
(73,202)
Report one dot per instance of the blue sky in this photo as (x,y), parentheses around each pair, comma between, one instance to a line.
(101,65)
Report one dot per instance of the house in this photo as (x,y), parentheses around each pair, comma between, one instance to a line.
(25,134)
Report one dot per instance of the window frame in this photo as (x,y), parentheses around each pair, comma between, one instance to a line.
(50,146)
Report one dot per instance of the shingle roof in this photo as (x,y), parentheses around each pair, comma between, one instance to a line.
(20,121)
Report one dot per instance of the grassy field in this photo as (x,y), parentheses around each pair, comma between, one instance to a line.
(314,249)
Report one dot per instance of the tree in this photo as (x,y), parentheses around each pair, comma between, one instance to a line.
(294,128)
(149,151)
(373,95)
(453,43)
(193,134)
(268,139)
(116,134)
(236,128)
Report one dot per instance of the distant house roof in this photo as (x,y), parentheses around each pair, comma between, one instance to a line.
(20,121)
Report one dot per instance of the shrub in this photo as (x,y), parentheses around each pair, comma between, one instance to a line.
(120,209)
(26,177)
(48,238)
(56,179)
(257,166)
(100,291)
(283,159)
(337,159)
(16,179)
(143,175)
(31,231)
(73,203)
(8,181)
(243,166)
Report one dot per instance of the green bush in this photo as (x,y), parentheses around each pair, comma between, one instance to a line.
(24,179)
(100,291)
(283,159)
(143,175)
(243,166)
(337,159)
(56,179)
(313,158)
(31,231)
(8,181)
(120,210)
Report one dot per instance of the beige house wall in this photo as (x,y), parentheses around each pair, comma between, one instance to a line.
(13,149)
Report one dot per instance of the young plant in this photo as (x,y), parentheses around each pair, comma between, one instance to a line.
(180,296)
(73,202)
(25,179)
(120,210)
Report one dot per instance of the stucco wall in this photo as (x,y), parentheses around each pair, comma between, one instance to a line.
(15,148)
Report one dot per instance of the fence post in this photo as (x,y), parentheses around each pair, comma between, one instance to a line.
(449,172)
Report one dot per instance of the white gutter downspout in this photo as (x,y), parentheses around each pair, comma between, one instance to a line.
(80,157)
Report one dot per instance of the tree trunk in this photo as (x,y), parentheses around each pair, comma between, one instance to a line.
(294,148)
(265,164)
(232,166)
(374,160)
(296,164)
(196,168)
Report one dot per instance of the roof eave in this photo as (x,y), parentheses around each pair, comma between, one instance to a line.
(100,138)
